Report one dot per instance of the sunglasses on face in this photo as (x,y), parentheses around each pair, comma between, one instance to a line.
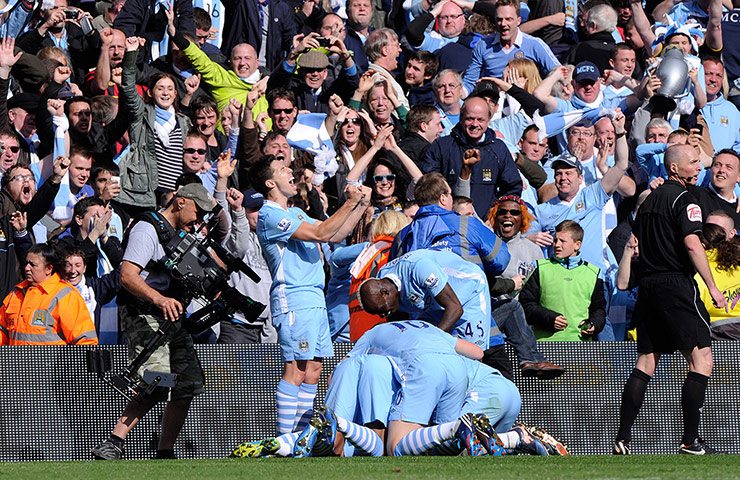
(14,148)
(354,121)
(190,151)
(515,212)
(380,178)
(278,111)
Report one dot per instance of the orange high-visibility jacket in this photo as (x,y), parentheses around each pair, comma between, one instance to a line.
(366,266)
(52,313)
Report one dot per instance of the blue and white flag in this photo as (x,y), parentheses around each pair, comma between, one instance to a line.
(556,123)
(309,133)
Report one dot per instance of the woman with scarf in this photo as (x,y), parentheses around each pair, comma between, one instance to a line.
(157,134)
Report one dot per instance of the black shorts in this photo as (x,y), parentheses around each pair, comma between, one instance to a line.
(670,315)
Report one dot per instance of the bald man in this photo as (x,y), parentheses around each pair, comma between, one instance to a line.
(472,154)
(670,315)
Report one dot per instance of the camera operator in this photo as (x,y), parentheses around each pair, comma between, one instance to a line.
(148,299)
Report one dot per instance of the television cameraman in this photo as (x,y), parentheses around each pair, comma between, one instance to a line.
(147,299)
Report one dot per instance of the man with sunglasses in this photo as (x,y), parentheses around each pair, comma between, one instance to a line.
(9,150)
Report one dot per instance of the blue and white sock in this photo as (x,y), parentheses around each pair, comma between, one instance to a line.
(361,437)
(450,448)
(287,444)
(424,439)
(287,402)
(304,410)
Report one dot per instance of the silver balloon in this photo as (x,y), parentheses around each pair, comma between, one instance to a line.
(673,73)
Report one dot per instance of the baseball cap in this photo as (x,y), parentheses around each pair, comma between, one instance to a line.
(313,59)
(586,71)
(486,88)
(197,193)
(253,199)
(567,161)
(27,101)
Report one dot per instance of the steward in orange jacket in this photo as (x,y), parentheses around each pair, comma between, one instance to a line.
(50,313)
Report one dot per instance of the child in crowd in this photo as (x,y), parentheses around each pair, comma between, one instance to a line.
(564,298)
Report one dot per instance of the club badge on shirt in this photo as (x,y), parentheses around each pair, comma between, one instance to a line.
(284,224)
(487,176)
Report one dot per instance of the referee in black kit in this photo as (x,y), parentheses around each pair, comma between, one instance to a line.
(670,315)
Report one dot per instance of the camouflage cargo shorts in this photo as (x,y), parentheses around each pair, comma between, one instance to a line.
(175,355)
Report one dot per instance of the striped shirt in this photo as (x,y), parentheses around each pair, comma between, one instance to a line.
(169,159)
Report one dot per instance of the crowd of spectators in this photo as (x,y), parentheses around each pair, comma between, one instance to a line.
(548,121)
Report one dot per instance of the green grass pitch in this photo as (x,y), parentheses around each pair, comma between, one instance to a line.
(519,467)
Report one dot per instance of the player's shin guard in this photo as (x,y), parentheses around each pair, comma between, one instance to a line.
(363,438)
(287,403)
(422,440)
(304,409)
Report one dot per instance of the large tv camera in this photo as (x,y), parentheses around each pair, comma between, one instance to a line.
(200,269)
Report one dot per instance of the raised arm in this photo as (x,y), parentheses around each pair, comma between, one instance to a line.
(544,90)
(614,175)
(643,24)
(325,231)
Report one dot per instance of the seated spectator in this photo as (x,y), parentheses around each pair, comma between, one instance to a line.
(723,253)
(95,290)
(308,81)
(89,232)
(67,322)
(564,299)
(156,132)
(492,171)
(421,67)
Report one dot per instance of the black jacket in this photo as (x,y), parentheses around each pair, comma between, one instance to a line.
(138,19)
(83,49)
(415,146)
(243,26)
(112,249)
(344,86)
(597,49)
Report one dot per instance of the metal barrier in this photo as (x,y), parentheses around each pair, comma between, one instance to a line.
(52,409)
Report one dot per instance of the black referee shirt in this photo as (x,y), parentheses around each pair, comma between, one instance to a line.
(668,215)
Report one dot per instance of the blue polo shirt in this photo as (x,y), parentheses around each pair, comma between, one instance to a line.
(295,266)
(490,58)
(723,120)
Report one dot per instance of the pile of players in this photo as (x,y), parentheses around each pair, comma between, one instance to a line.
(409,388)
